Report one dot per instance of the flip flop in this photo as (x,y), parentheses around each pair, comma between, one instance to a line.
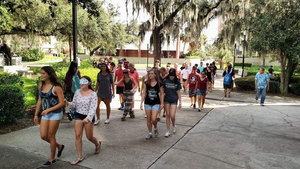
(98,147)
(77,161)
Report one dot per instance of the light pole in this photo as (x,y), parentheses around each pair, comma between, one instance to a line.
(74,17)
(244,45)
(234,53)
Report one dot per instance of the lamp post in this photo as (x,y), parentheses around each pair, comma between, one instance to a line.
(74,17)
(244,45)
(234,53)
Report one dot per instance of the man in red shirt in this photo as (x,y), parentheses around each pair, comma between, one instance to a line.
(120,87)
(202,90)
(135,75)
(193,79)
(126,63)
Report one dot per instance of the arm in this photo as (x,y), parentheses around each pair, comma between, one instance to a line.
(59,92)
(179,98)
(162,94)
(112,86)
(97,86)
(143,95)
(143,79)
(135,85)
(115,78)
(38,107)
(255,84)
(117,83)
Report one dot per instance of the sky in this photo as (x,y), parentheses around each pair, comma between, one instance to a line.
(211,31)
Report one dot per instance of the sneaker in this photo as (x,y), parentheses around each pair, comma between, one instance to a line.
(158,118)
(120,108)
(48,163)
(191,105)
(262,104)
(149,136)
(194,107)
(123,118)
(145,116)
(156,132)
(199,110)
(106,121)
(96,122)
(174,129)
(167,134)
(164,115)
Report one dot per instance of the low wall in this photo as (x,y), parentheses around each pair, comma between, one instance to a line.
(258,61)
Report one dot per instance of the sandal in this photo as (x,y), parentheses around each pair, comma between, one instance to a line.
(97,151)
(76,161)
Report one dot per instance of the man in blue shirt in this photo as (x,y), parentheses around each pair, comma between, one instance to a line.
(262,85)
(201,67)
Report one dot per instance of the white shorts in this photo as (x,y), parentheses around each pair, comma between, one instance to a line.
(215,76)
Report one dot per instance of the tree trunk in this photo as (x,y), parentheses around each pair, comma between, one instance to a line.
(287,69)
(221,64)
(184,47)
(264,59)
(156,45)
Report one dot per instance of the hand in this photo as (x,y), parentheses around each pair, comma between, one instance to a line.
(179,106)
(45,112)
(141,107)
(36,119)
(206,91)
(161,107)
(255,87)
(268,88)
(85,121)
(113,96)
(139,90)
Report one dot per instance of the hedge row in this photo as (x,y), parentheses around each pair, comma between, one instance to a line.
(31,55)
(248,84)
(12,98)
(245,64)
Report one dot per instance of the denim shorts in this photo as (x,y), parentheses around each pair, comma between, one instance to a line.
(171,103)
(151,107)
(53,116)
(201,92)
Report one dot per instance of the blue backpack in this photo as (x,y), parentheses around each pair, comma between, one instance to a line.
(228,78)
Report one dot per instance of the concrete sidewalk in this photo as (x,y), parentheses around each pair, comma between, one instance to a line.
(229,133)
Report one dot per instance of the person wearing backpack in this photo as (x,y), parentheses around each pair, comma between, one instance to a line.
(228,81)
(72,83)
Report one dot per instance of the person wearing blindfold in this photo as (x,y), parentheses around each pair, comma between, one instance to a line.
(172,88)
(85,101)
(130,86)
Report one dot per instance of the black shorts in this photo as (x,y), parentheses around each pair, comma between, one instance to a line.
(230,86)
(184,80)
(120,89)
(79,116)
(192,93)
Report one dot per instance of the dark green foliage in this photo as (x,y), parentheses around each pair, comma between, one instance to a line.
(245,64)
(12,103)
(295,88)
(31,55)
(6,78)
(248,84)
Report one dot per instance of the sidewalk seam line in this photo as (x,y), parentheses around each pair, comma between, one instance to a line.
(180,138)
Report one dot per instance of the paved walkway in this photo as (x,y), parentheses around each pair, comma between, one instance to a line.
(229,133)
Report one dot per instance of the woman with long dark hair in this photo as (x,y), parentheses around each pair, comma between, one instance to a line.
(85,102)
(106,91)
(153,95)
(50,101)
(172,88)
(73,68)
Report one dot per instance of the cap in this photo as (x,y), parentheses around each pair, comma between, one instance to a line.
(194,68)
(207,63)
(120,63)
(125,71)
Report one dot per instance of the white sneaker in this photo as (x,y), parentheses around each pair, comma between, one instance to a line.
(96,122)
(145,116)
(156,132)
(174,129)
(106,121)
(149,136)
(167,134)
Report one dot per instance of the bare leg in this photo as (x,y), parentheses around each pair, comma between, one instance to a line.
(107,103)
(203,100)
(98,108)
(149,124)
(44,132)
(173,109)
(199,101)
(89,131)
(167,108)
(154,118)
(53,127)
(78,128)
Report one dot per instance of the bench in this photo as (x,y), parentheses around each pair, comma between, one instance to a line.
(25,73)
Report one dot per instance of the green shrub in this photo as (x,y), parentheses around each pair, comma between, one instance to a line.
(31,55)
(295,88)
(248,84)
(6,78)
(245,64)
(251,73)
(12,103)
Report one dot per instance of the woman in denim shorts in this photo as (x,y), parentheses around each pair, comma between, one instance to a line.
(51,101)
(153,95)
(202,90)
(172,88)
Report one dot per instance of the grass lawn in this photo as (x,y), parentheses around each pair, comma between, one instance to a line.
(29,87)
(48,59)
(255,68)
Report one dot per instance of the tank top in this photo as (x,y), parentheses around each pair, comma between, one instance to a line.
(49,100)
(128,85)
(152,96)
